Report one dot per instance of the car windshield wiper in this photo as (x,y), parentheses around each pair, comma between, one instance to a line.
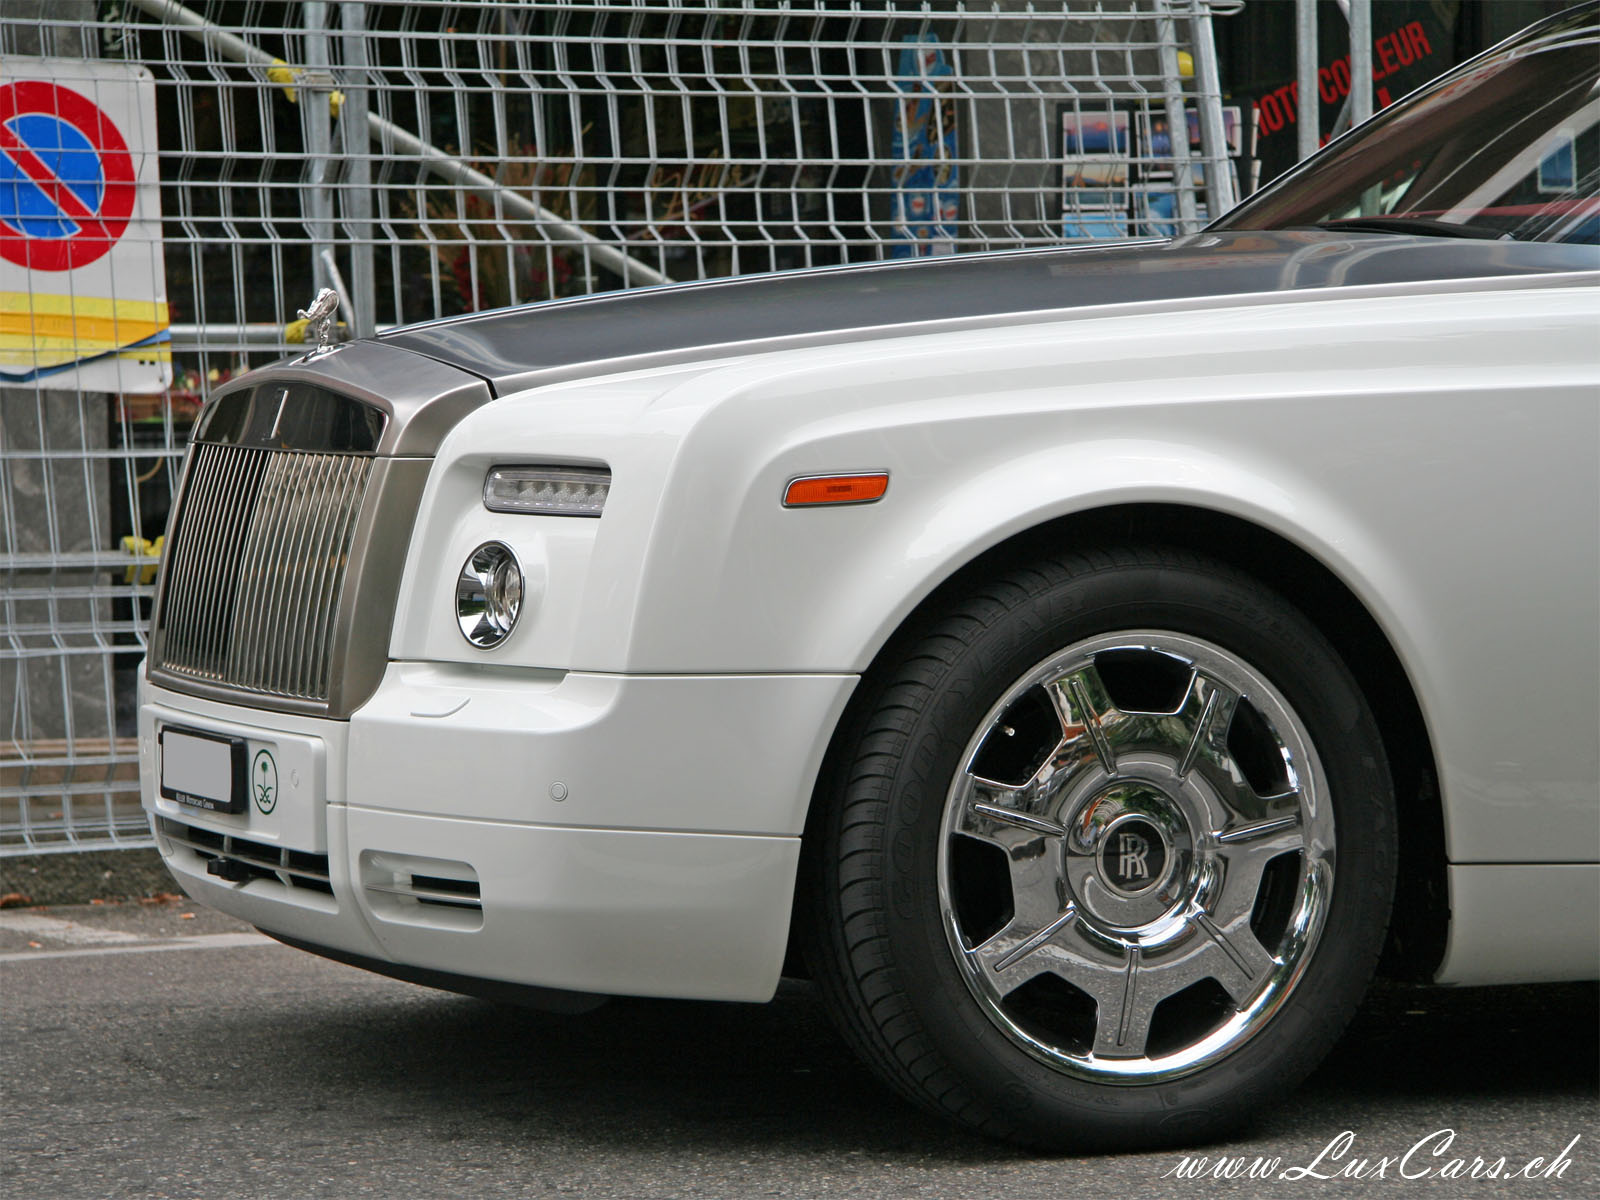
(1420,226)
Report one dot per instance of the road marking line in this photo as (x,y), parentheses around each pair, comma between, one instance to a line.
(204,941)
(63,930)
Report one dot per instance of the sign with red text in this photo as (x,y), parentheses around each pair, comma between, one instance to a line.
(1404,57)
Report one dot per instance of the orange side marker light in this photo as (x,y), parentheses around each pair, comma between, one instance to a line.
(810,490)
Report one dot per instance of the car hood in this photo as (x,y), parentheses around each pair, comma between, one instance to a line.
(517,347)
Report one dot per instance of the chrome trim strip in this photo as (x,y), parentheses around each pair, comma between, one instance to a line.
(435,895)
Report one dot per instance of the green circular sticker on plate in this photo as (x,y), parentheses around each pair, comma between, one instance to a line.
(264,781)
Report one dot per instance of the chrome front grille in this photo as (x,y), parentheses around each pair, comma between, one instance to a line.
(257,567)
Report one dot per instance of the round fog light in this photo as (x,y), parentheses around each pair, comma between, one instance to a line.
(489,595)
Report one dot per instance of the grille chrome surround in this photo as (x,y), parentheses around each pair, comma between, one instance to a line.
(259,559)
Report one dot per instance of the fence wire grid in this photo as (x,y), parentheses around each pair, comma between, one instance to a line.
(425,160)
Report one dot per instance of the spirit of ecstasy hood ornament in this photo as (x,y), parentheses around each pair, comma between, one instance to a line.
(320,319)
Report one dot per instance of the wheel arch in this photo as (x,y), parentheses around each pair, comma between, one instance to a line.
(1420,922)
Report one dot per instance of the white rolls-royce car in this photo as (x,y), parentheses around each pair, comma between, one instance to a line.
(1086,664)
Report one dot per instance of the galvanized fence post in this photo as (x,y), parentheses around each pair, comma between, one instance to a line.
(1308,127)
(1177,119)
(355,151)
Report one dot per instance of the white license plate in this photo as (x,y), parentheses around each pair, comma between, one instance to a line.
(204,770)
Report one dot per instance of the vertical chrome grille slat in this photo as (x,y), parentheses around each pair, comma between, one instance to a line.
(276,619)
(274,655)
(252,469)
(324,483)
(310,483)
(259,568)
(264,648)
(225,564)
(199,513)
(179,567)
(312,598)
(269,574)
(326,562)
(252,556)
(223,486)
(331,568)
(192,550)
(326,471)
(336,575)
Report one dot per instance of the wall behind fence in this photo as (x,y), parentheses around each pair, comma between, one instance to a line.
(425,160)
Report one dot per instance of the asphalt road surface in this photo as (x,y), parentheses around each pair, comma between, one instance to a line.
(147,1054)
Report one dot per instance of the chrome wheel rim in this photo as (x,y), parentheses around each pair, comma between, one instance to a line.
(1136,857)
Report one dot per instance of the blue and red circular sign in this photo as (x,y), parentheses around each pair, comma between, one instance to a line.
(67,181)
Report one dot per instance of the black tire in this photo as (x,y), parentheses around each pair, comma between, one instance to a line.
(926,885)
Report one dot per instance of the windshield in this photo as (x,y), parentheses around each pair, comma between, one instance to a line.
(1508,147)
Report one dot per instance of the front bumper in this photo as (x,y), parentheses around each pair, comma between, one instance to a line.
(595,833)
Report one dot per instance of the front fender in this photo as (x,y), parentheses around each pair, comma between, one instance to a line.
(824,589)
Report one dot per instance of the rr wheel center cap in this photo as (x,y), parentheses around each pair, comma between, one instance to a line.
(1133,856)
(1130,857)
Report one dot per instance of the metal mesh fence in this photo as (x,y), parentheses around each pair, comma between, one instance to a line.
(425,160)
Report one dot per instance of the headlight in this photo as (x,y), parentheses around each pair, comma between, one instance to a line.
(489,595)
(551,491)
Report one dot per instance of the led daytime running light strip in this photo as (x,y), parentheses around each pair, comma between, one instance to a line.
(547,491)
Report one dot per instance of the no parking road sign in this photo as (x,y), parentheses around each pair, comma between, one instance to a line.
(82,285)
(66,177)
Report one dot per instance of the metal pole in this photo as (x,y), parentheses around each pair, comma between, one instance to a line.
(1208,100)
(317,195)
(1360,61)
(400,141)
(1308,128)
(1177,121)
(356,150)
(1361,83)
